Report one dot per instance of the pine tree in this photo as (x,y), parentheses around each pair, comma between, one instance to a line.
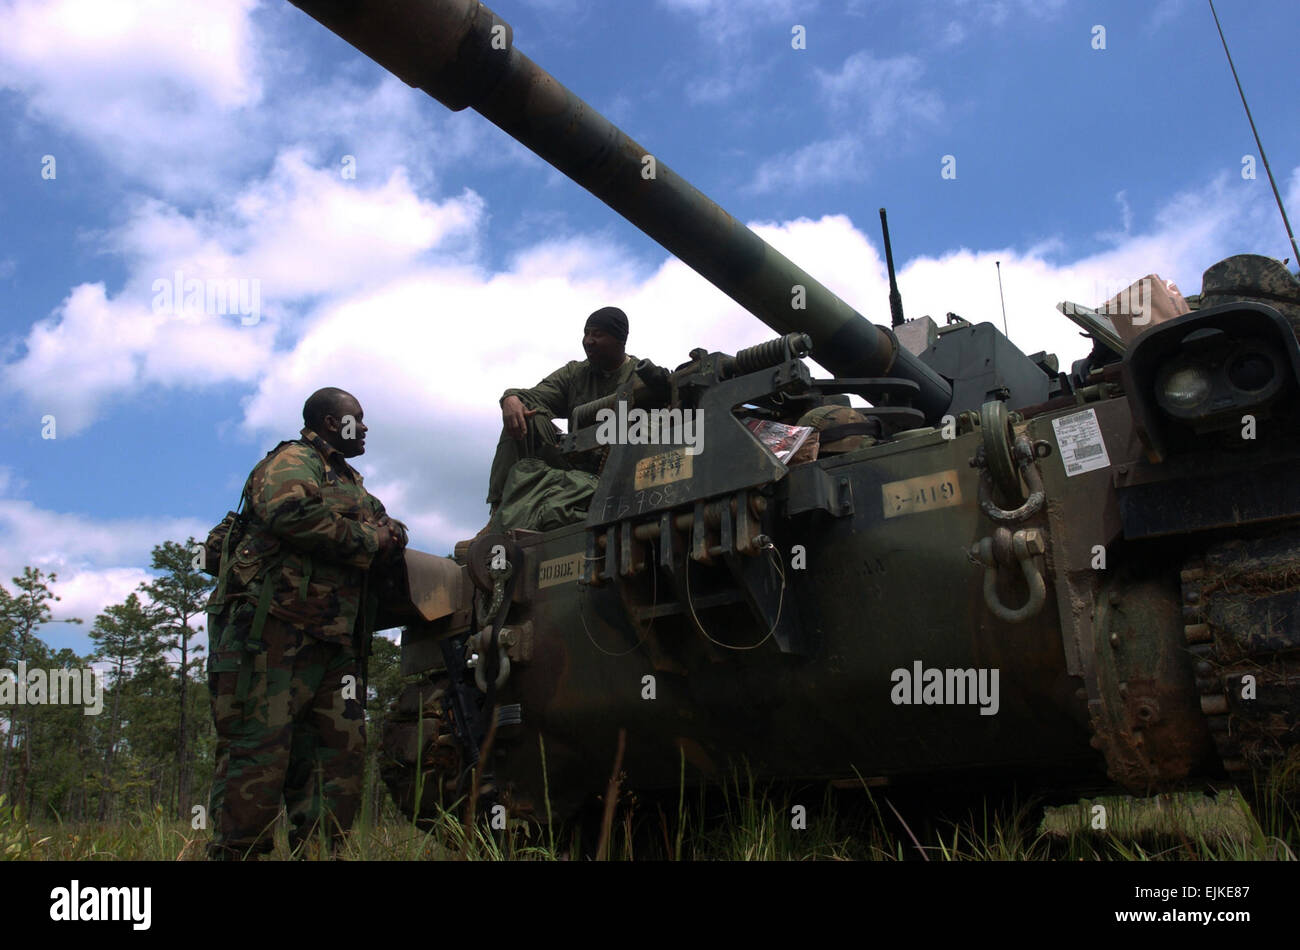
(181,594)
(9,665)
(125,636)
(63,740)
(23,613)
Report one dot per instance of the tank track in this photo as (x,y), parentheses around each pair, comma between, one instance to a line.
(1241,614)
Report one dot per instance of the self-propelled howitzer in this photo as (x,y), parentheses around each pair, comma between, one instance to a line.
(1073,582)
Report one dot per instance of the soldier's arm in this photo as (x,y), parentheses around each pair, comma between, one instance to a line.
(551,395)
(286,496)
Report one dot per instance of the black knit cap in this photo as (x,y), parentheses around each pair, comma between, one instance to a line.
(610,319)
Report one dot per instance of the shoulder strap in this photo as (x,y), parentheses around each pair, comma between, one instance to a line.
(243,515)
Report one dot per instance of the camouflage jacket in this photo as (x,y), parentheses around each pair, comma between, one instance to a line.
(313,533)
(571,385)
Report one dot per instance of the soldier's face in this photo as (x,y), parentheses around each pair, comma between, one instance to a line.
(345,431)
(604,351)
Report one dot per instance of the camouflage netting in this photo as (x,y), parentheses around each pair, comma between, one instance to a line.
(1251,277)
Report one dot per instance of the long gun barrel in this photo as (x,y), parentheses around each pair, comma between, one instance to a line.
(462,54)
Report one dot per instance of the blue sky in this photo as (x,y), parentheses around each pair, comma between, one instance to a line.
(210,139)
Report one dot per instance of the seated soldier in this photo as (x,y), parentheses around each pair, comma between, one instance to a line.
(606,367)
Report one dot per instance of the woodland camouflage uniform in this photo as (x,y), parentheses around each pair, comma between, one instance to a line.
(1252,277)
(284,727)
(557,395)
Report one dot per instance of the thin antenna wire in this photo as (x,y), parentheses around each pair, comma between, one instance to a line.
(1258,143)
(1005,332)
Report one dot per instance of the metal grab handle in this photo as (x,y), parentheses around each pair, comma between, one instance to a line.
(1026,546)
(1033,504)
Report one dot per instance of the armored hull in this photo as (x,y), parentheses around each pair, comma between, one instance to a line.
(1067,582)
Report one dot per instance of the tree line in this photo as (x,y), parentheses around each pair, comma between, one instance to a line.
(151,745)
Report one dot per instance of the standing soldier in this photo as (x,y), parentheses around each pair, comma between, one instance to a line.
(290,626)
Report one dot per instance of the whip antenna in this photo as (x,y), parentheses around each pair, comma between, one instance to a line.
(895,298)
(1258,143)
(1005,332)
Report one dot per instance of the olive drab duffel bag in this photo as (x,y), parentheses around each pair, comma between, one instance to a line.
(539,497)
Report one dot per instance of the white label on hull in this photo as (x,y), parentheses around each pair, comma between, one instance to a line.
(1082,447)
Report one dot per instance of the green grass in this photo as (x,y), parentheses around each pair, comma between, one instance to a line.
(742,821)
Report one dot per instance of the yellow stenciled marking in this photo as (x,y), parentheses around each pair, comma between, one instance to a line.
(559,570)
(922,493)
(661,469)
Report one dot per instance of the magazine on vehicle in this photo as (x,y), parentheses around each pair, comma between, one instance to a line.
(780,439)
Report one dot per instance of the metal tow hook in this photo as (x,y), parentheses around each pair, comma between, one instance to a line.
(1024,453)
(1003,458)
(475,646)
(1004,548)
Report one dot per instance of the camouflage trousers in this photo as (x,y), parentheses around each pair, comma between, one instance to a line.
(540,442)
(285,731)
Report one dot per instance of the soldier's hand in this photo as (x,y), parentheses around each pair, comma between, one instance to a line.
(400,532)
(515,417)
(388,540)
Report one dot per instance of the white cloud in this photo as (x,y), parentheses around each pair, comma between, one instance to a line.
(148,81)
(868,97)
(64,542)
(96,349)
(95,560)
(948,23)
(997,12)
(300,233)
(818,163)
(86,53)
(953,34)
(186,100)
(726,20)
(1192,231)
(1164,12)
(10,484)
(558,7)
(711,90)
(1125,218)
(384,127)
(731,28)
(885,93)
